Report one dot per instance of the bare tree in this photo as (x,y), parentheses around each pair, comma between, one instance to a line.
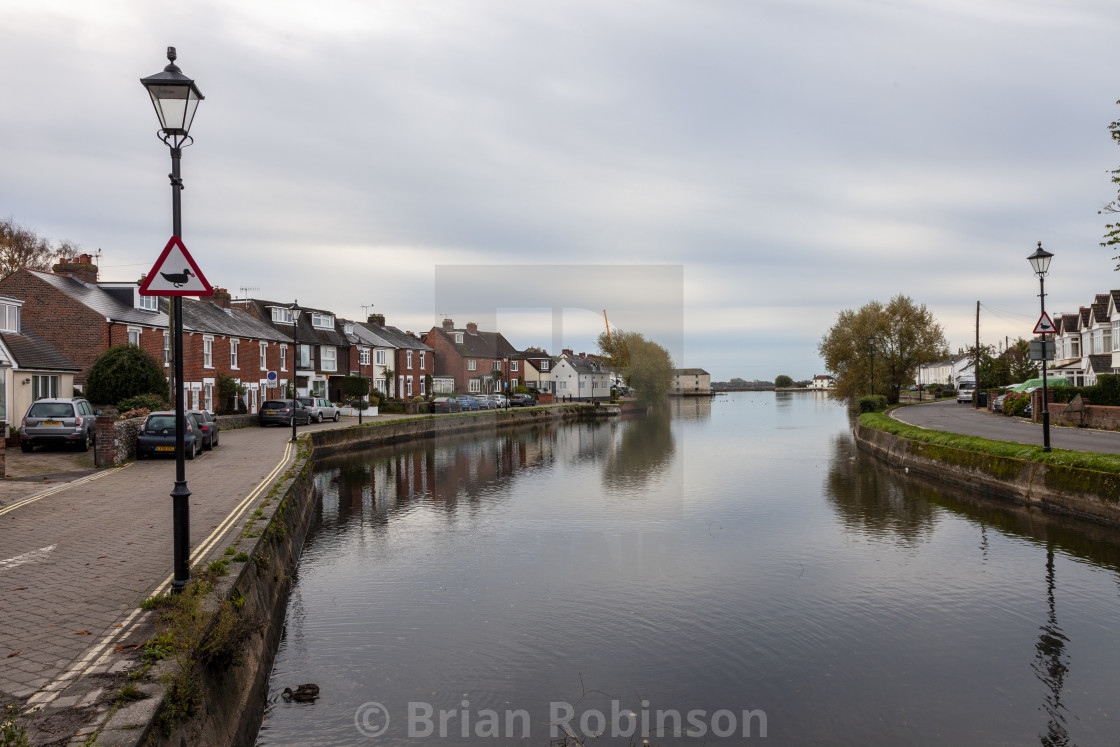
(22,247)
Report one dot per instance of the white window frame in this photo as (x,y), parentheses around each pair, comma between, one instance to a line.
(322,321)
(379,357)
(233,361)
(472,364)
(281,315)
(513,383)
(134,334)
(512,366)
(328,362)
(459,338)
(422,393)
(147,303)
(44,386)
(363,356)
(408,385)
(264,355)
(284,357)
(544,365)
(474,386)
(497,365)
(1116,334)
(207,351)
(408,360)
(421,363)
(166,349)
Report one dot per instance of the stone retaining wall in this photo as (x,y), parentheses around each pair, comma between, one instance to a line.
(1082,492)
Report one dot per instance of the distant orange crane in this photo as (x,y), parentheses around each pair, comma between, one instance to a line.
(610,345)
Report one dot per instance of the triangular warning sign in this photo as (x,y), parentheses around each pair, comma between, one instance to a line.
(175,274)
(1044,326)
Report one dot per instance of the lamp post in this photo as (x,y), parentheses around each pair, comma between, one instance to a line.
(871,347)
(1040,262)
(295,311)
(175,98)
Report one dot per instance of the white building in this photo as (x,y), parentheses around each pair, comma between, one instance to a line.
(580,379)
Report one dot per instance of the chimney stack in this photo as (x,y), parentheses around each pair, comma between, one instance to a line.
(80,267)
(448,325)
(472,328)
(377,319)
(220,298)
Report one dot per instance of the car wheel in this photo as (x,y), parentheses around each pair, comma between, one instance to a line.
(207,445)
(336,416)
(215,440)
(193,450)
(26,448)
(318,417)
(83,445)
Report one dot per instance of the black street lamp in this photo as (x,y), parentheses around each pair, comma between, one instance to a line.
(1040,262)
(295,311)
(175,98)
(871,346)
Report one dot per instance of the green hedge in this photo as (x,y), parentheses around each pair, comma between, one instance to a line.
(1106,391)
(872,403)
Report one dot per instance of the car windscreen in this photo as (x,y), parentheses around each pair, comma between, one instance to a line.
(51,410)
(275,404)
(159,423)
(307,401)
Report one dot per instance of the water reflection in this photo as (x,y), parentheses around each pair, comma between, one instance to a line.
(644,451)
(1051,665)
(690,408)
(871,500)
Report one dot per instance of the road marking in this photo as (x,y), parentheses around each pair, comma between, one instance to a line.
(64,486)
(27,557)
(97,654)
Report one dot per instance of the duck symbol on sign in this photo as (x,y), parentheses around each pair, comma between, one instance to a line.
(177,278)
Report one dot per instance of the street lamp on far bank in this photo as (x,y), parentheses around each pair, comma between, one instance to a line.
(1040,262)
(871,347)
(294,310)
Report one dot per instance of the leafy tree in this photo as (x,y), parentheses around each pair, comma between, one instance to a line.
(229,395)
(899,336)
(124,371)
(645,366)
(22,247)
(354,387)
(1112,230)
(783,381)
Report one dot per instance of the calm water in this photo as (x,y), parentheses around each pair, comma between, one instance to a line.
(737,556)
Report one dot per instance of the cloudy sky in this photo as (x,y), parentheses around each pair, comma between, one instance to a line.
(786,159)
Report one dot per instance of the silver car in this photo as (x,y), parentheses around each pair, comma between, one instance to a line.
(320,408)
(58,421)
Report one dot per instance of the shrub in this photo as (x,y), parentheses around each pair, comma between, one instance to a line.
(143,402)
(1015,404)
(783,381)
(872,403)
(229,396)
(122,372)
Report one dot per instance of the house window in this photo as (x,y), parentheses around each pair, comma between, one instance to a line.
(134,336)
(207,352)
(379,357)
(1075,346)
(513,365)
(1116,334)
(348,329)
(459,338)
(9,317)
(1098,340)
(408,384)
(472,365)
(1107,345)
(474,386)
(283,357)
(264,356)
(166,349)
(408,361)
(233,353)
(281,315)
(379,384)
(400,385)
(44,385)
(421,362)
(304,357)
(322,321)
(208,395)
(513,383)
(363,356)
(422,394)
(562,385)
(328,356)
(148,303)
(497,365)
(544,365)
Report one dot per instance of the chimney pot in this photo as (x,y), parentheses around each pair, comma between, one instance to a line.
(472,328)
(448,325)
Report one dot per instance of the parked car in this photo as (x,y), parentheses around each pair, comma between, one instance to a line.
(468,403)
(320,408)
(157,436)
(208,428)
(965,395)
(58,421)
(283,412)
(499,399)
(997,403)
(522,400)
(446,404)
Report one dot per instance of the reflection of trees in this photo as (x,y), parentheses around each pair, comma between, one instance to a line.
(868,498)
(645,448)
(1051,665)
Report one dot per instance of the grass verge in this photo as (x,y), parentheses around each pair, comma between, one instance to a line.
(1063,457)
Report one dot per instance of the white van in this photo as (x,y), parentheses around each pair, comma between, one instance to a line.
(965,389)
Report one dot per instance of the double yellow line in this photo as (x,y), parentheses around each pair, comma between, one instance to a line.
(64,486)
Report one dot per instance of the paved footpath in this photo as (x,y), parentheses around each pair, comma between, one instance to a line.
(77,557)
(958,418)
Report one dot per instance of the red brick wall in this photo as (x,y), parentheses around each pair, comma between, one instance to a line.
(416,373)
